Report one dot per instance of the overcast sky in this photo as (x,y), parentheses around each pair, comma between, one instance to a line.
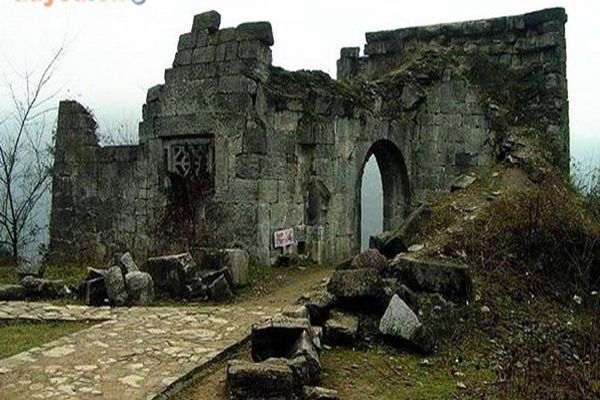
(117,50)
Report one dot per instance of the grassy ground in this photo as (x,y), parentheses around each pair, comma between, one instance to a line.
(69,274)
(18,337)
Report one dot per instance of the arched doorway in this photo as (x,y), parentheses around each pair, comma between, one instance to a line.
(371,200)
(393,202)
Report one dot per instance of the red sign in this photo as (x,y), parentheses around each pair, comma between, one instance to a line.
(284,238)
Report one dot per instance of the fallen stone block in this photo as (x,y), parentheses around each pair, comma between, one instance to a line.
(394,242)
(220,290)
(319,393)
(12,293)
(295,311)
(400,323)
(126,263)
(115,287)
(269,380)
(171,274)
(237,261)
(93,292)
(452,281)
(355,284)
(462,182)
(341,329)
(306,360)
(94,273)
(44,289)
(318,303)
(140,288)
(370,258)
(277,337)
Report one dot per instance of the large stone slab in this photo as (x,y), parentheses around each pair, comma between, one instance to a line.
(341,329)
(399,321)
(355,284)
(171,274)
(237,261)
(318,303)
(277,337)
(453,281)
(269,380)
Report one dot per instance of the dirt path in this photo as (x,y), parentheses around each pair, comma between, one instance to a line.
(137,353)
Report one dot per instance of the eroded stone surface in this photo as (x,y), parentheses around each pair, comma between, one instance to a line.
(131,353)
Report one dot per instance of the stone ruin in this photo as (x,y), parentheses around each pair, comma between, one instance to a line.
(232,149)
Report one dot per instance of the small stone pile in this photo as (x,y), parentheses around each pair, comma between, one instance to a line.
(286,366)
(123,284)
(400,301)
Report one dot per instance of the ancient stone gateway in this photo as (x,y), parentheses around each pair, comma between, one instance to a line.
(232,149)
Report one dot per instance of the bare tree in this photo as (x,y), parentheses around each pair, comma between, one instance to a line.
(25,155)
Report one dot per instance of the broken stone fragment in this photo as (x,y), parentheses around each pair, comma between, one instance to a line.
(392,243)
(318,303)
(355,284)
(171,273)
(93,292)
(237,261)
(140,288)
(341,329)
(261,31)
(399,321)
(452,281)
(295,311)
(44,289)
(94,273)
(319,393)
(276,337)
(271,379)
(462,182)
(126,263)
(220,290)
(305,360)
(115,287)
(370,258)
(210,21)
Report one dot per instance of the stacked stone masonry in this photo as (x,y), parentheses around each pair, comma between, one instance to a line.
(232,149)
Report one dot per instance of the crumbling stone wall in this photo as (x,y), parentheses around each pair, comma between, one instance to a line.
(233,149)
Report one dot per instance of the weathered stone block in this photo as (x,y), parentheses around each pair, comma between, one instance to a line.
(170,274)
(260,31)
(202,55)
(341,329)
(210,21)
(450,280)
(140,288)
(187,41)
(115,287)
(268,380)
(355,284)
(236,261)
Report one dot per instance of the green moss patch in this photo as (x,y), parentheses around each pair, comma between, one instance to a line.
(19,336)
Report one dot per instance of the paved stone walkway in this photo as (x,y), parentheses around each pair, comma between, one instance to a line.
(130,354)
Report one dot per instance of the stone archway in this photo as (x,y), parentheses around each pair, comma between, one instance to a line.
(394,181)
